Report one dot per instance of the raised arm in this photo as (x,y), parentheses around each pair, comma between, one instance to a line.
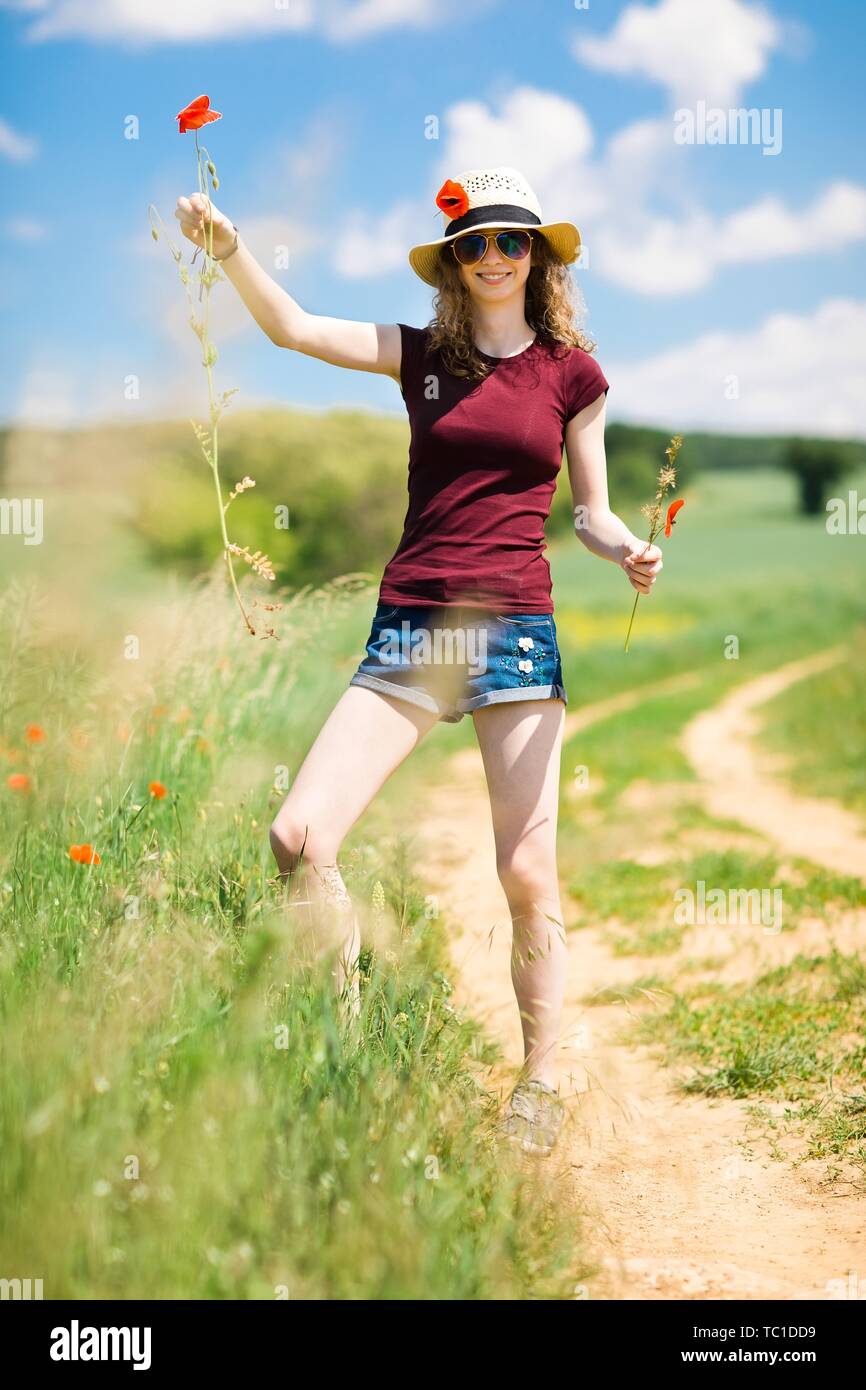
(368,347)
(600,529)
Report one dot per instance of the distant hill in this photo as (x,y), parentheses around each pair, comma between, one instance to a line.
(341,474)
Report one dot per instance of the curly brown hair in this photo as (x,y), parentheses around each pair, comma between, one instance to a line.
(553,303)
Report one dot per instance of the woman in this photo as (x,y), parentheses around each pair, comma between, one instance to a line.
(497,384)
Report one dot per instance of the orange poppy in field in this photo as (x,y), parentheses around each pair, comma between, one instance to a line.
(672,512)
(157,790)
(84,854)
(34,733)
(197,114)
(18,782)
(452,199)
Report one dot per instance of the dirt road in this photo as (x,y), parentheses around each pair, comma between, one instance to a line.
(676,1196)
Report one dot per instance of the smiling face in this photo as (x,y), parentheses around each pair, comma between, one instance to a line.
(495,276)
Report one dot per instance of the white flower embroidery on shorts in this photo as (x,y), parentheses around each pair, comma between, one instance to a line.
(528,670)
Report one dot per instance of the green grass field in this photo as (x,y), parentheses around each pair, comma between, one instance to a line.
(180,1116)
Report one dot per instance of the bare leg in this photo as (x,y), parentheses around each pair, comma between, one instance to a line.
(365,738)
(521,744)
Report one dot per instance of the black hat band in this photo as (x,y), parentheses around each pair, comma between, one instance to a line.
(493,212)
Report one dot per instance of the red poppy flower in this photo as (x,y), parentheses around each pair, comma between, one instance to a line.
(194,116)
(452,199)
(34,733)
(18,782)
(672,512)
(157,789)
(84,854)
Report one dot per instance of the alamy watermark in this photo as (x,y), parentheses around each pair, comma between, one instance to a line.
(21,1289)
(851,1287)
(712,125)
(22,516)
(418,646)
(731,907)
(846,516)
(77,1343)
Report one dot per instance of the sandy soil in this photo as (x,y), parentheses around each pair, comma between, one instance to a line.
(738,781)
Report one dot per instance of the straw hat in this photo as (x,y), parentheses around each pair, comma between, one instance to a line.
(481,199)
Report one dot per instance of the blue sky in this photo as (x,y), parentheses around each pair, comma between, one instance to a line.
(724,286)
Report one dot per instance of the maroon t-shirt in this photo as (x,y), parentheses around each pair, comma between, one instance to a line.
(483,463)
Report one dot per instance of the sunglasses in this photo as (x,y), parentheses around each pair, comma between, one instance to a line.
(472,248)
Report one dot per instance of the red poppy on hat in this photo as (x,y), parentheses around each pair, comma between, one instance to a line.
(452,199)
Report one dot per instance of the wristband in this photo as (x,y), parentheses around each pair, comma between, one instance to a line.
(229,253)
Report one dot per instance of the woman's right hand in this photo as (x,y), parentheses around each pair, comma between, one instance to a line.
(194,213)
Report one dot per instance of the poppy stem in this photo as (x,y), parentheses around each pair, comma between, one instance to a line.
(214,412)
(653,533)
(207,275)
(631,621)
(667,479)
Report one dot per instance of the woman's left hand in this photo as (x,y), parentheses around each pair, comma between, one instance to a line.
(642,563)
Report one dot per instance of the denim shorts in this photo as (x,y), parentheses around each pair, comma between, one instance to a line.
(452,660)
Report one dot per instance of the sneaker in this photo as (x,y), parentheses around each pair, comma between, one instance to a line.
(534,1117)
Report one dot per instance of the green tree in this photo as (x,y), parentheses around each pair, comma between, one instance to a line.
(817,464)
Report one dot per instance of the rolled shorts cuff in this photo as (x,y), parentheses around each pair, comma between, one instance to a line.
(403,692)
(522,692)
(447,713)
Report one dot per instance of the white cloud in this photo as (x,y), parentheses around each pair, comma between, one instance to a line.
(768,229)
(359,21)
(654,255)
(637,160)
(266,236)
(693,48)
(14,145)
(166,302)
(25,229)
(46,397)
(366,247)
(543,134)
(662,256)
(167,21)
(163,20)
(94,390)
(632,202)
(793,373)
(308,165)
